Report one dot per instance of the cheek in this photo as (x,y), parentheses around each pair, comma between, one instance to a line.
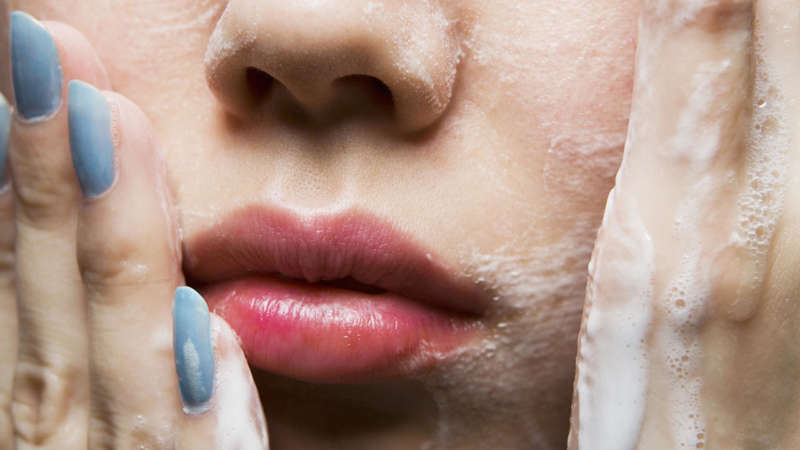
(555,84)
(550,92)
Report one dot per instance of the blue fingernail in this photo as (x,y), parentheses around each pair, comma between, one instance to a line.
(5,124)
(90,138)
(35,68)
(194,355)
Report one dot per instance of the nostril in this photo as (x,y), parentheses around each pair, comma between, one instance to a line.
(258,84)
(345,62)
(367,87)
(362,95)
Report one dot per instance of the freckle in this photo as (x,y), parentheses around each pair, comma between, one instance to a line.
(700,445)
(700,435)
(680,303)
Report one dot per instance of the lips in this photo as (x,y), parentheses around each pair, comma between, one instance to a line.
(334,298)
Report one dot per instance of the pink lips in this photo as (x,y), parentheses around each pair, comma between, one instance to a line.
(333,298)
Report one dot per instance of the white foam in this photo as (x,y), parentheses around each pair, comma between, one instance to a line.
(612,366)
(239,425)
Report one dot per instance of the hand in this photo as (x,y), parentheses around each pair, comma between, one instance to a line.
(97,263)
(690,335)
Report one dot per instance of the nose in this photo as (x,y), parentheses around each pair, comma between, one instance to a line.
(315,47)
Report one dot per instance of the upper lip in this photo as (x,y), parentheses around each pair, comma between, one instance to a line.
(351,245)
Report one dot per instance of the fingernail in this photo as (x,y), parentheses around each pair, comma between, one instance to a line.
(194,354)
(90,138)
(35,68)
(5,124)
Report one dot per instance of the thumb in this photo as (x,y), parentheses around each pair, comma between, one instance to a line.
(229,414)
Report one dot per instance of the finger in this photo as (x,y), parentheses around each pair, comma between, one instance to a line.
(8,303)
(689,141)
(691,92)
(129,261)
(222,408)
(50,397)
(754,380)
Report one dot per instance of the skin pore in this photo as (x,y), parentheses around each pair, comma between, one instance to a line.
(525,108)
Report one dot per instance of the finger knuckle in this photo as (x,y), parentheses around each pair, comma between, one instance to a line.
(42,397)
(6,429)
(139,434)
(710,15)
(44,206)
(117,249)
(7,267)
(736,284)
(725,15)
(44,181)
(111,262)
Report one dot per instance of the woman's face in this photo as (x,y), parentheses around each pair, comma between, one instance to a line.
(487,134)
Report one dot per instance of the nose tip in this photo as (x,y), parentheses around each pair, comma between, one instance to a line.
(316,48)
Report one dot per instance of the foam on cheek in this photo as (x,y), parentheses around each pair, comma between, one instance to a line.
(581,165)
(516,380)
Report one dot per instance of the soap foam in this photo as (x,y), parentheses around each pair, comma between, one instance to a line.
(612,364)
(239,426)
(537,288)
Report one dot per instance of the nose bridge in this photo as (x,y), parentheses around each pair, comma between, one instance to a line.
(307,45)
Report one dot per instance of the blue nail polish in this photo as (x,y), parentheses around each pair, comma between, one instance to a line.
(194,355)
(35,68)
(5,126)
(90,138)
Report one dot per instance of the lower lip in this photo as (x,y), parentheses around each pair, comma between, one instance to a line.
(325,334)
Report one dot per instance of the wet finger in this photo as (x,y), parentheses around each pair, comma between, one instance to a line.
(50,396)
(129,261)
(8,302)
(222,408)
